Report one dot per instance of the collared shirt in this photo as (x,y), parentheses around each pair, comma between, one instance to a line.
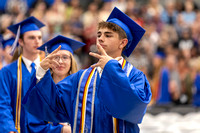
(28,63)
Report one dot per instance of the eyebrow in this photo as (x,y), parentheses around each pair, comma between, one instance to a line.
(107,32)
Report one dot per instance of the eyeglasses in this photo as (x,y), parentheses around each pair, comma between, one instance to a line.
(64,58)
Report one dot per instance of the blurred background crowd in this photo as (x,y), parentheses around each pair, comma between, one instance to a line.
(169,52)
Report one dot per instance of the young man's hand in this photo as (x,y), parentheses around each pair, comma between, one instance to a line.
(49,61)
(103,57)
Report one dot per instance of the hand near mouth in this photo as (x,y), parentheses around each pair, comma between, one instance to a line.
(102,56)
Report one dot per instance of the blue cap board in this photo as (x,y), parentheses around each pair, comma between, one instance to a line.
(66,44)
(29,24)
(133,31)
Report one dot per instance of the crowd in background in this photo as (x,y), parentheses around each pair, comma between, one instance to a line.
(169,52)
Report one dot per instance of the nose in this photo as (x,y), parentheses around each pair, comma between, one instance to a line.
(37,40)
(60,60)
(101,38)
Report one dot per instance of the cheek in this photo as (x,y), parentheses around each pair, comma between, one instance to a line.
(67,65)
(40,42)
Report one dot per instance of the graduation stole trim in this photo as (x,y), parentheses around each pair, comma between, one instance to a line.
(115,120)
(127,67)
(77,102)
(19,87)
(84,101)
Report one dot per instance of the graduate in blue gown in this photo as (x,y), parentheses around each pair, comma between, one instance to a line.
(15,81)
(196,96)
(66,60)
(7,44)
(110,96)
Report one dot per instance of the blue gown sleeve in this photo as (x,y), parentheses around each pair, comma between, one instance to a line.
(164,95)
(36,125)
(6,113)
(196,96)
(49,101)
(124,97)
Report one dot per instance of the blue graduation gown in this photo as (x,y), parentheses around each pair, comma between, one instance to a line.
(116,95)
(196,96)
(164,95)
(8,97)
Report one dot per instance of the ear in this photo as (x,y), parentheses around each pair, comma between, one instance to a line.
(21,42)
(123,43)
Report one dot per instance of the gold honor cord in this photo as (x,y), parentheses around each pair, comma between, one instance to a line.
(19,93)
(115,121)
(19,87)
(83,111)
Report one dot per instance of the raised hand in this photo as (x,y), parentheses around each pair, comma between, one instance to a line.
(48,61)
(103,57)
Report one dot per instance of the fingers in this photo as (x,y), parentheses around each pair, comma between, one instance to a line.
(49,63)
(95,55)
(101,50)
(56,50)
(64,124)
(95,65)
(54,64)
(51,56)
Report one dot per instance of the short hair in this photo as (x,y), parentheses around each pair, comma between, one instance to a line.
(114,27)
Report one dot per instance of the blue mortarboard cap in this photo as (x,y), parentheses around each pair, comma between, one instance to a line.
(29,24)
(66,44)
(133,31)
(9,42)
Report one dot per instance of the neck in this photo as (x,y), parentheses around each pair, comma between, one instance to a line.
(30,57)
(115,55)
(57,78)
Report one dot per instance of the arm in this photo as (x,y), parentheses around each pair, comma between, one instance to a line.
(40,126)
(42,98)
(36,102)
(124,97)
(6,112)
(53,102)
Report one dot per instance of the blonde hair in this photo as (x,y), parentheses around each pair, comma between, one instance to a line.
(73,68)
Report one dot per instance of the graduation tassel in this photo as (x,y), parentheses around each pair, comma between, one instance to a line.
(46,51)
(14,45)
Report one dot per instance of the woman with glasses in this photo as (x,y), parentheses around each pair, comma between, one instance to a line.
(67,63)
